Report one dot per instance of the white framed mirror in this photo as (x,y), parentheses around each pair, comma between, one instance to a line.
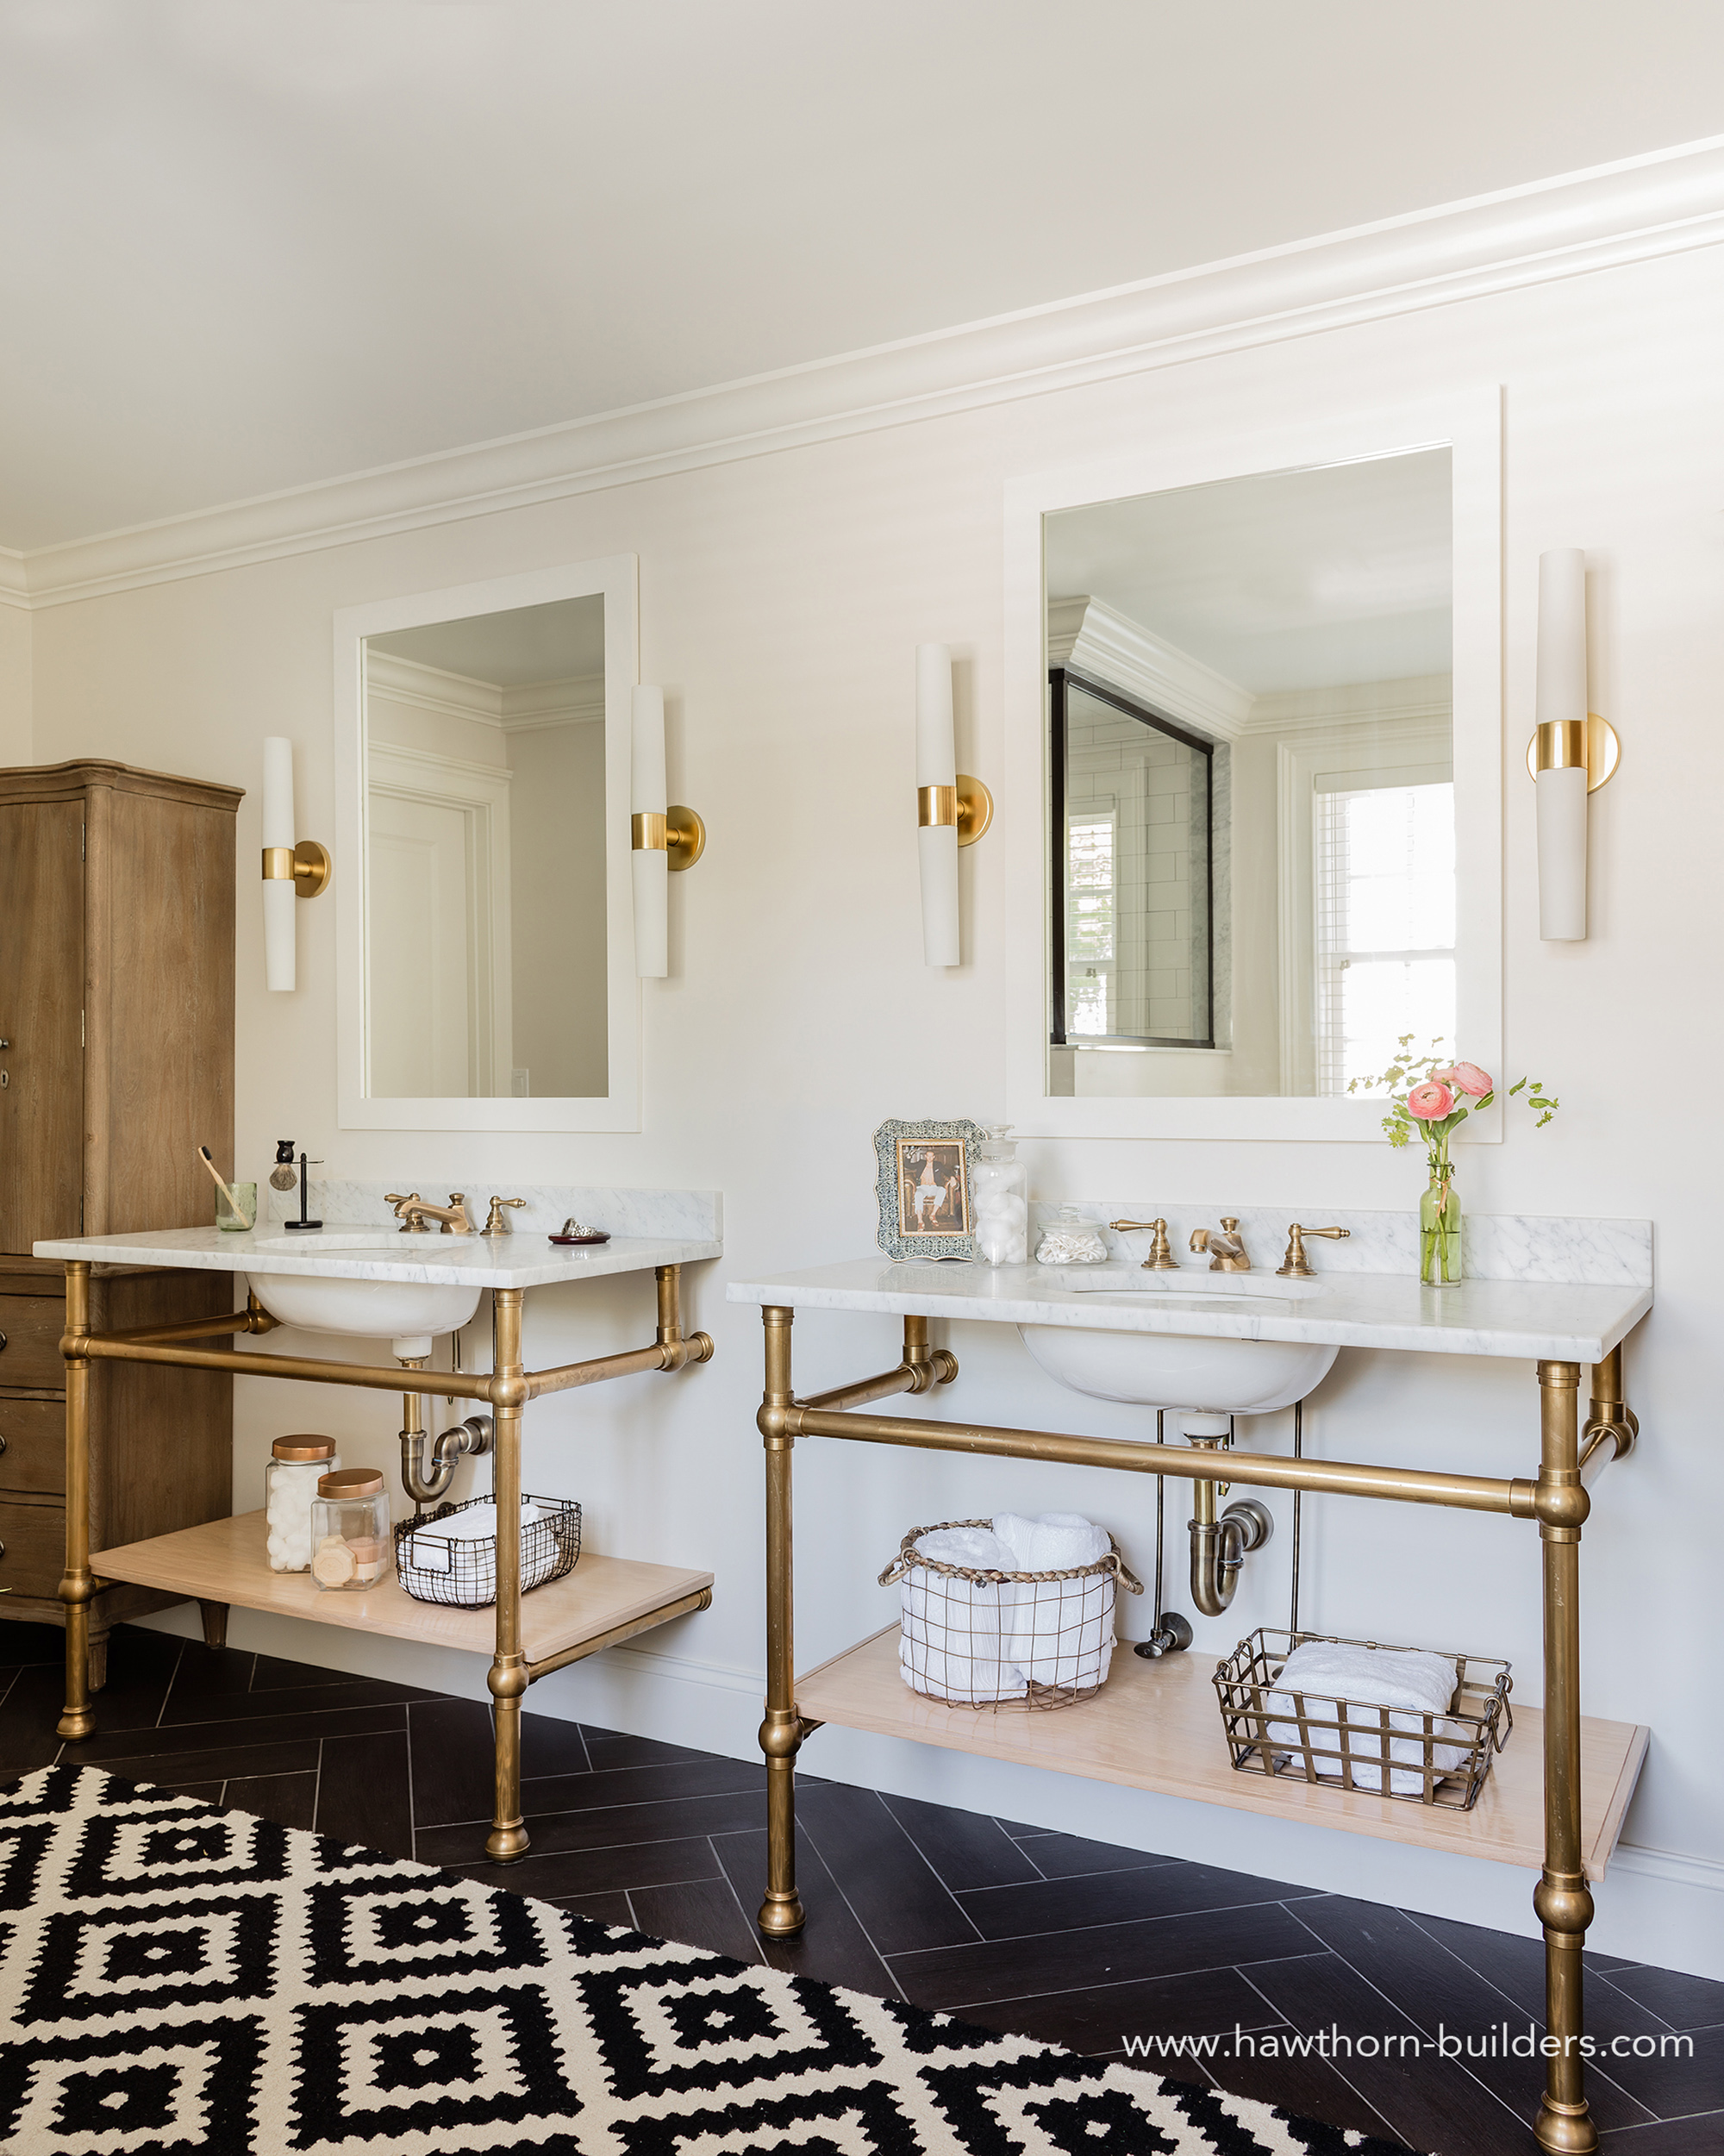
(1254,756)
(485,971)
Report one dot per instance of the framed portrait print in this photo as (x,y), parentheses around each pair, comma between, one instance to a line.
(924,1189)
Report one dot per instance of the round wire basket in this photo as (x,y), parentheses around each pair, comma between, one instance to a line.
(974,1638)
(461,1570)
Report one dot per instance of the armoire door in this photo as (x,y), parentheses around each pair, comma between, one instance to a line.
(41,1021)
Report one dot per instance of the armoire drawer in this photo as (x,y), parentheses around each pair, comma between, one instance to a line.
(32,1561)
(32,1325)
(32,1445)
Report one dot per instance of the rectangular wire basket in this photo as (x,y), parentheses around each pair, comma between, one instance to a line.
(970,1638)
(462,1572)
(1422,1758)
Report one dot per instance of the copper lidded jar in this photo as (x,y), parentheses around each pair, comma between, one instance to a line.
(296,1466)
(350,1545)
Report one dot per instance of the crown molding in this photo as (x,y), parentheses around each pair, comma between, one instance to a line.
(530,708)
(1286,712)
(14,578)
(1099,640)
(1603,218)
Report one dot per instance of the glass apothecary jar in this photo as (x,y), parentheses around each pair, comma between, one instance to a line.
(291,1474)
(1067,1239)
(1000,1197)
(350,1543)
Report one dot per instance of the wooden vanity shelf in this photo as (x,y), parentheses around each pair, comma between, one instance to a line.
(1153,1726)
(604,1600)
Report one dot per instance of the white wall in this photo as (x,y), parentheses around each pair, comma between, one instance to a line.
(781,596)
(14,684)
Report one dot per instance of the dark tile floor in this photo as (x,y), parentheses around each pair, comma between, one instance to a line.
(1090,1946)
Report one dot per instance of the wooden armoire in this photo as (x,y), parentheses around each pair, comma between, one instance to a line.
(116,1063)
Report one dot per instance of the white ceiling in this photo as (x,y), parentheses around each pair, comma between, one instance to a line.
(1285,580)
(248,247)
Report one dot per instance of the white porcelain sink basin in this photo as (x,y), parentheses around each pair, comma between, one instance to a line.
(1180,1370)
(406,1313)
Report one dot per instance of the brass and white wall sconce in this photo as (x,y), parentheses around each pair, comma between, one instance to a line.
(1573,751)
(952,809)
(291,870)
(663,835)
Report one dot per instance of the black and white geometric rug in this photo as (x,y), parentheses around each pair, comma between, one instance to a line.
(180,1981)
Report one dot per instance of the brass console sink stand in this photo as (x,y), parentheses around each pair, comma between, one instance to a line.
(1557,1499)
(506,1391)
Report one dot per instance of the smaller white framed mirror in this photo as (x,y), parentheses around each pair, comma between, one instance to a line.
(485,973)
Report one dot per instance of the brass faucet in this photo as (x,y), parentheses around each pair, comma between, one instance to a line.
(496,1221)
(1296,1266)
(1161,1258)
(414,1214)
(1226,1250)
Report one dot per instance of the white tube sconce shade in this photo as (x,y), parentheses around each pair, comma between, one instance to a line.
(662,835)
(953,809)
(1572,752)
(290,869)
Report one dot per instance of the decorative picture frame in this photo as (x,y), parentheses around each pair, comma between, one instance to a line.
(924,1184)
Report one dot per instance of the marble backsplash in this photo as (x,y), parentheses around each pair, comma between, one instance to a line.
(680,1215)
(1497,1245)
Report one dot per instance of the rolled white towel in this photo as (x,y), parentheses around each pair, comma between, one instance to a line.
(1405,1679)
(1052,1543)
(976,1549)
(1059,1631)
(950,1639)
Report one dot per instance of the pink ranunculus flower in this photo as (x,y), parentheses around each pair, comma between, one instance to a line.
(1430,1102)
(1467,1077)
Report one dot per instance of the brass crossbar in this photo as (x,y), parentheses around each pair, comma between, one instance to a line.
(686,1606)
(1408,1485)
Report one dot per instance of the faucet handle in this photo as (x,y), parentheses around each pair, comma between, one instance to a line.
(1296,1266)
(411,1224)
(1161,1258)
(495,1222)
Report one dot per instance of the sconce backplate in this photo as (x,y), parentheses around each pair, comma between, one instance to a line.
(975,808)
(684,836)
(1603,751)
(312,869)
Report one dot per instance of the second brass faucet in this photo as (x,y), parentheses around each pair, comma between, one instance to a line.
(414,1213)
(1227,1249)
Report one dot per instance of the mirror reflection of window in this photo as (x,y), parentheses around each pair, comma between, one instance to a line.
(1252,860)
(486,857)
(1385,859)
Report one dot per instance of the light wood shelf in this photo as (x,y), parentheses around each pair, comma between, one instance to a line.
(224,1561)
(1156,1726)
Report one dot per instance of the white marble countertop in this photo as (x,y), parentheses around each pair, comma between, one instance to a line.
(519,1259)
(1548,1319)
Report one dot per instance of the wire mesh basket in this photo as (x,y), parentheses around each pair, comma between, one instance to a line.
(461,1570)
(970,1638)
(1423,1758)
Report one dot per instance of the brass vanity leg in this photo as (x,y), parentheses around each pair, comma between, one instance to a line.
(782,1914)
(1561,1899)
(507,1679)
(77,1587)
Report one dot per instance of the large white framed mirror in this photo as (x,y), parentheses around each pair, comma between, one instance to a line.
(485,973)
(1254,752)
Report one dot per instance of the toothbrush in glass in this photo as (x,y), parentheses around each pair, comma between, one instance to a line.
(239,1210)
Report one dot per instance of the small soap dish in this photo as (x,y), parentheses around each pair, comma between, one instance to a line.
(574,1232)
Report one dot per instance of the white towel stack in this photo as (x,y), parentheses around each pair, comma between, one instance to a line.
(1400,1678)
(975,1642)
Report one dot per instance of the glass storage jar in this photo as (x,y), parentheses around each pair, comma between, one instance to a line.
(1067,1239)
(1001,1200)
(295,1467)
(350,1544)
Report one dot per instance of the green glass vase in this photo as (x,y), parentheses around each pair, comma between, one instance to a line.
(1439,1256)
